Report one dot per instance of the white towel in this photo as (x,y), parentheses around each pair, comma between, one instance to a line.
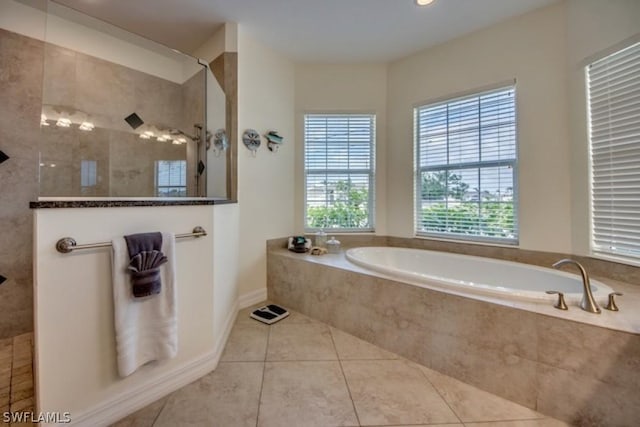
(146,328)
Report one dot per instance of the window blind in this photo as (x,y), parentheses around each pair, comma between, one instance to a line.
(171,178)
(614,110)
(339,171)
(466,162)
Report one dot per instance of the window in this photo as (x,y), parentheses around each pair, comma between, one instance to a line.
(171,178)
(466,160)
(614,113)
(88,173)
(339,171)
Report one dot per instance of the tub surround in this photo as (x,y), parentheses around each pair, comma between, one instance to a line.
(625,320)
(470,274)
(572,365)
(597,268)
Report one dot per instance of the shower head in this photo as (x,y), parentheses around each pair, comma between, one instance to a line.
(176,132)
(134,120)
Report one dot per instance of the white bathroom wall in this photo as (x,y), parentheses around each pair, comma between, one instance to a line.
(225,272)
(266,182)
(75,343)
(343,88)
(594,28)
(216,119)
(530,49)
(225,39)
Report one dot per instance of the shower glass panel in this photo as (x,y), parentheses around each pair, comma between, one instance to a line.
(122,116)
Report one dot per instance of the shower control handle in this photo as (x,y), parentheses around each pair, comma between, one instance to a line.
(561,304)
(612,302)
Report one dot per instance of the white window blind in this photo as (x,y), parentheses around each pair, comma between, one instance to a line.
(88,173)
(171,178)
(466,160)
(339,171)
(614,109)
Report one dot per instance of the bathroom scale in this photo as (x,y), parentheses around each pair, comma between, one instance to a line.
(269,314)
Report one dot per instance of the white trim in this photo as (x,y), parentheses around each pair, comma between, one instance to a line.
(470,93)
(218,346)
(112,410)
(250,298)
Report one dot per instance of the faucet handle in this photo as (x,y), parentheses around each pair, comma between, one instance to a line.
(612,302)
(561,304)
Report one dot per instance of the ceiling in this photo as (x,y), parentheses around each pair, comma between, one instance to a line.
(309,30)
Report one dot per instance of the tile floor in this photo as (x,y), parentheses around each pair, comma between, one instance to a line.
(300,372)
(16,376)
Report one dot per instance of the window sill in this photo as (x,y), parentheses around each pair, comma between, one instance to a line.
(514,244)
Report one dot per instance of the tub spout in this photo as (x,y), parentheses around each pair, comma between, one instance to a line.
(587,303)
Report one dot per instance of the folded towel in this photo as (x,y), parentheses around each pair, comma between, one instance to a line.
(145,273)
(142,242)
(145,259)
(146,328)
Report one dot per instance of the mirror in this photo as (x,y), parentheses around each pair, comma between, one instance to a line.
(123,116)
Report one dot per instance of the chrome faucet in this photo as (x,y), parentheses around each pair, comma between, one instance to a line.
(587,303)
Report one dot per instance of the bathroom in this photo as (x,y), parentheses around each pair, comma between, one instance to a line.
(253,200)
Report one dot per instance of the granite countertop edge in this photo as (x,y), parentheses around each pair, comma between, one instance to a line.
(60,204)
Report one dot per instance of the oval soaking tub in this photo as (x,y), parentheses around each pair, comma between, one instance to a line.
(477,275)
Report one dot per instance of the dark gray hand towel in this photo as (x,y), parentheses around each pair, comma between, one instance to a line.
(145,260)
(142,242)
(145,273)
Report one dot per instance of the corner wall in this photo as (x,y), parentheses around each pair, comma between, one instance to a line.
(530,49)
(343,88)
(594,29)
(265,182)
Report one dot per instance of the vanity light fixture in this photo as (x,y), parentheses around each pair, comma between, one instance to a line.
(180,141)
(424,2)
(87,126)
(63,122)
(163,138)
(43,120)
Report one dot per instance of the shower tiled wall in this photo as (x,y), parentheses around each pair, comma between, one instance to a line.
(33,73)
(106,92)
(21,95)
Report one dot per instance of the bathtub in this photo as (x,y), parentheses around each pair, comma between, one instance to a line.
(472,274)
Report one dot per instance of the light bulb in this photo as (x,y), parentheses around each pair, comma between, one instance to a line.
(424,2)
(63,122)
(87,126)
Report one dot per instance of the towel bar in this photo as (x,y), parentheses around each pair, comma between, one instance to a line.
(68,244)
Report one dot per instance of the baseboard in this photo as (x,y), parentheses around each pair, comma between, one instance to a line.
(110,411)
(250,298)
(136,398)
(218,346)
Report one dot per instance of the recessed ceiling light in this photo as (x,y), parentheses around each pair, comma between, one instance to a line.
(424,2)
